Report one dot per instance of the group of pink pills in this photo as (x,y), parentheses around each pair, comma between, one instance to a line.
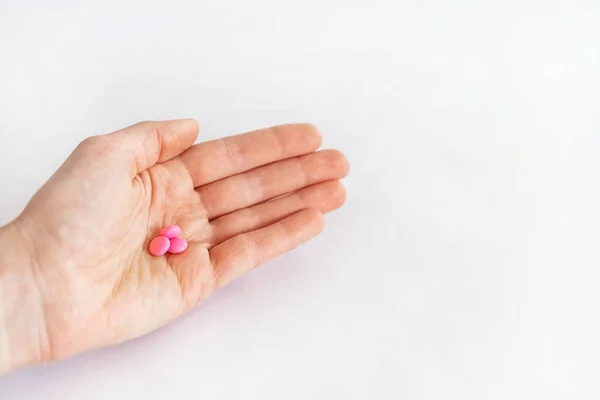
(168,241)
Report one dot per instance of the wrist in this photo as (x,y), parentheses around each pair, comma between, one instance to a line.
(23,334)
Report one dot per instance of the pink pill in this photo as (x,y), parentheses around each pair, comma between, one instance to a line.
(178,245)
(170,231)
(159,245)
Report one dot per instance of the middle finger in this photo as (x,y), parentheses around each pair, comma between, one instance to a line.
(270,181)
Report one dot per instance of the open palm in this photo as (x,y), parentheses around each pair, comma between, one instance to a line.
(240,201)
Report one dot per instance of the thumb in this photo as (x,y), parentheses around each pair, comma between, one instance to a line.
(147,143)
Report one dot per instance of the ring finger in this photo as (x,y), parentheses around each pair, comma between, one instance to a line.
(324,197)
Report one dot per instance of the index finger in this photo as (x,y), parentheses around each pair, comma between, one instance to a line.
(217,159)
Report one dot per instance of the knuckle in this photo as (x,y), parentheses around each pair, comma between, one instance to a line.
(98,145)
(93,142)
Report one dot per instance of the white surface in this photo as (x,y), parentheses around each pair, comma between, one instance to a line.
(465,264)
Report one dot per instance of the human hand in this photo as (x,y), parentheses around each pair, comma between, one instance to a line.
(79,262)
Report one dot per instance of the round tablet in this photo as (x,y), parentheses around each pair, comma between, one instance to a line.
(170,231)
(178,245)
(159,245)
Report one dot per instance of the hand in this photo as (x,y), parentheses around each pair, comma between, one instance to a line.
(89,278)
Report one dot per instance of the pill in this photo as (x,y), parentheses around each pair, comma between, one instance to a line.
(159,245)
(178,245)
(170,231)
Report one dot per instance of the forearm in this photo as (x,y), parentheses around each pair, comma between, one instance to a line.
(23,338)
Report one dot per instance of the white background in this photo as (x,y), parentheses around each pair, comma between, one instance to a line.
(465,264)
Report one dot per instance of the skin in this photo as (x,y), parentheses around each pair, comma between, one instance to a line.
(76,273)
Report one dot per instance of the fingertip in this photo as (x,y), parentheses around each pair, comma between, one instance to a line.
(338,195)
(313,135)
(186,128)
(348,166)
(306,133)
(193,125)
(315,218)
(326,196)
(344,164)
(334,161)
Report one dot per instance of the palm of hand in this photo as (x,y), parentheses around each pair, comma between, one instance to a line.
(92,222)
